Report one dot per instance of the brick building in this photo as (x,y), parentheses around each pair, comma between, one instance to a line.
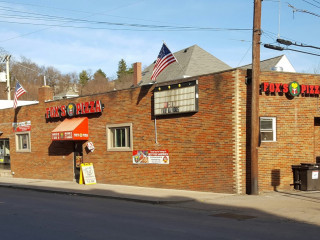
(191,133)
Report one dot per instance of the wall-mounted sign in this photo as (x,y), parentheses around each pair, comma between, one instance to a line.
(177,98)
(74,109)
(21,126)
(90,146)
(150,156)
(293,88)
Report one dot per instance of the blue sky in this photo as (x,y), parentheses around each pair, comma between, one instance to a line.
(80,35)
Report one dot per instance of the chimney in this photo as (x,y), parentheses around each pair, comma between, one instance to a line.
(137,73)
(45,94)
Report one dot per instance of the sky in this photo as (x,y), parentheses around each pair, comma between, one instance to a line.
(89,35)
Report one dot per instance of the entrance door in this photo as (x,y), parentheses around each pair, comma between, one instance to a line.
(4,154)
(317,139)
(77,159)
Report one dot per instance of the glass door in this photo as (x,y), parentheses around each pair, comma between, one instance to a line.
(77,159)
(4,154)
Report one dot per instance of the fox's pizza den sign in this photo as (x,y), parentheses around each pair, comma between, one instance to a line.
(74,109)
(293,88)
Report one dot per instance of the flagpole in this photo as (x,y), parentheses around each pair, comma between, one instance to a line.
(7,58)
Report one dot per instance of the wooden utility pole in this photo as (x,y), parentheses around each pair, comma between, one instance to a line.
(255,122)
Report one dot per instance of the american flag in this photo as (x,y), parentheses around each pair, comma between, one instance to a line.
(18,93)
(165,58)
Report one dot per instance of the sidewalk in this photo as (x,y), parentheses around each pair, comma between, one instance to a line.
(292,205)
(132,193)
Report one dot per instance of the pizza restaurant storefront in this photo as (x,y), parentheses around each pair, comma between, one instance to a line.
(289,127)
(74,128)
(191,134)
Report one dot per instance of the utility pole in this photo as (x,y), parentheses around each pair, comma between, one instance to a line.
(255,122)
(7,59)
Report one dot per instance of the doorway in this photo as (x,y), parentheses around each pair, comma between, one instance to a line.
(77,159)
(317,139)
(5,154)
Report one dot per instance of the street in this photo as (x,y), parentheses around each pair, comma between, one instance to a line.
(36,215)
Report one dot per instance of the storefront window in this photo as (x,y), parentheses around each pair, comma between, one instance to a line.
(268,129)
(23,142)
(119,137)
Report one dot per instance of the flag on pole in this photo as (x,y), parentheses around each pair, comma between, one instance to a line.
(18,93)
(165,58)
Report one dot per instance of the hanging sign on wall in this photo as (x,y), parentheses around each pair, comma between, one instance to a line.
(150,157)
(21,126)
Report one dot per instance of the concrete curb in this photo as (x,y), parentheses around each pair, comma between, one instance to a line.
(81,193)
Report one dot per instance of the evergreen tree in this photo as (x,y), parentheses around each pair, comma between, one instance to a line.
(101,73)
(83,78)
(122,68)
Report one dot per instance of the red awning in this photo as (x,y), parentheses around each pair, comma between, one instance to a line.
(71,129)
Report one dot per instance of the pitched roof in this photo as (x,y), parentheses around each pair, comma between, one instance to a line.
(192,61)
(271,64)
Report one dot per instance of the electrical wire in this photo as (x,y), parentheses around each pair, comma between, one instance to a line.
(311,3)
(303,11)
(84,21)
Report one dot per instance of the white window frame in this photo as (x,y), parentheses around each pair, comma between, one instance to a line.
(111,128)
(17,138)
(273,129)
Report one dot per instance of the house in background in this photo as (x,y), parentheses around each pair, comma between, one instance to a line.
(191,61)
(71,93)
(280,64)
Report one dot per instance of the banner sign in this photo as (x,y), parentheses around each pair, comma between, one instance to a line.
(72,109)
(21,126)
(150,157)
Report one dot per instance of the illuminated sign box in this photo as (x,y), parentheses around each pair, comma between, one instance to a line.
(176,98)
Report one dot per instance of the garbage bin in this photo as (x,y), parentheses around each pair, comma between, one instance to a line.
(309,176)
(306,176)
(296,176)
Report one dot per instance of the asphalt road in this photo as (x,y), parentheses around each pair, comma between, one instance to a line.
(31,215)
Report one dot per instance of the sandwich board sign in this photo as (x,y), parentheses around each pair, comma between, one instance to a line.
(87,175)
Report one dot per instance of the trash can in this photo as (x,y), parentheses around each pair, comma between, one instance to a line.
(296,176)
(309,176)
(306,176)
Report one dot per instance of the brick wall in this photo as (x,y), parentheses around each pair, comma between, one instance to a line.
(201,145)
(296,139)
(209,150)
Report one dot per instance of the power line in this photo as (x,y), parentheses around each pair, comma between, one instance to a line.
(52,27)
(311,3)
(83,21)
(41,19)
(303,11)
(143,26)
